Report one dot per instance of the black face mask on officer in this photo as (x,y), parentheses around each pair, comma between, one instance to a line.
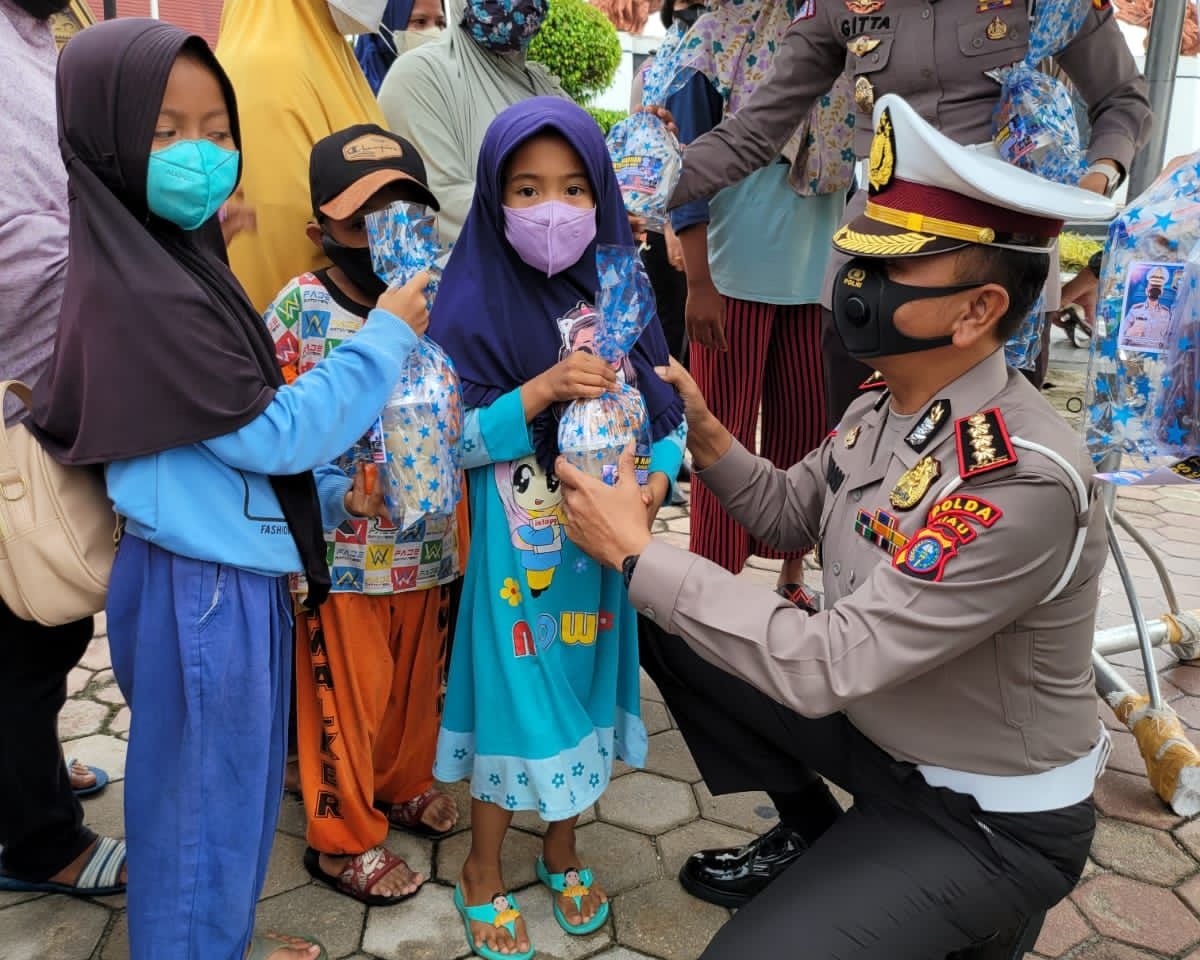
(42,9)
(865,301)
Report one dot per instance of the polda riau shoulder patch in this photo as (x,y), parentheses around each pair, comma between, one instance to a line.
(948,526)
(983,443)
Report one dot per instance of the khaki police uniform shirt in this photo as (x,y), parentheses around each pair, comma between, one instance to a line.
(944,655)
(934,54)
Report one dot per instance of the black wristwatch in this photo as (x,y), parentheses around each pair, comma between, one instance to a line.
(627,568)
(1096,262)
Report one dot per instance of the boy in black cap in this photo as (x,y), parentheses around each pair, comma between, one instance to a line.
(369,665)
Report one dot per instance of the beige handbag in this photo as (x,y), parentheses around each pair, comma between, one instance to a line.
(57,529)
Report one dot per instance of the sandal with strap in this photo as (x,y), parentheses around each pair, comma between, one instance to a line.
(360,875)
(100,876)
(577,890)
(486,914)
(407,815)
(100,775)
(262,945)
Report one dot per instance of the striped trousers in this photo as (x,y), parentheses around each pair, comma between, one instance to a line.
(774,365)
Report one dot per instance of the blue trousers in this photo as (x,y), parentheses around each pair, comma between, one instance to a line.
(202,653)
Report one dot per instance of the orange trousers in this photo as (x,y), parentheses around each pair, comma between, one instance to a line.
(370,678)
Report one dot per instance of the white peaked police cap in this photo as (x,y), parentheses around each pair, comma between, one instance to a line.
(928,194)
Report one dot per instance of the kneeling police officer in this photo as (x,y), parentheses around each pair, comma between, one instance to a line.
(948,685)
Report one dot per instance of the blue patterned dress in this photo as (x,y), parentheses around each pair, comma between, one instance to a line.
(543,688)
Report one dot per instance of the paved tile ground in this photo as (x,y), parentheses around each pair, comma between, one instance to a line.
(1139,900)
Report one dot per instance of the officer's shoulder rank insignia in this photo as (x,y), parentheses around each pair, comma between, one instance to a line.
(874,382)
(983,443)
(914,483)
(948,525)
(883,151)
(936,415)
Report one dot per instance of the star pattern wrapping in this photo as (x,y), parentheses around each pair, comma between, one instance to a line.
(422,438)
(1145,404)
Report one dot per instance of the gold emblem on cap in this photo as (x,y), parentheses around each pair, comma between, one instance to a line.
(883,149)
(881,245)
(997,29)
(914,483)
(852,436)
(864,94)
(861,46)
(372,146)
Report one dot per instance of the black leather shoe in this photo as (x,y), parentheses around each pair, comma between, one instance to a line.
(731,877)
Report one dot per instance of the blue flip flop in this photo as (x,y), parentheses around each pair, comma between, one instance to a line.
(100,775)
(486,913)
(557,882)
(100,877)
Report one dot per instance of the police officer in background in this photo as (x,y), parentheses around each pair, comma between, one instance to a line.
(948,686)
(937,54)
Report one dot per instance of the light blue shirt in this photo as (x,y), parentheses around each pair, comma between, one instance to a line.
(766,244)
(214,501)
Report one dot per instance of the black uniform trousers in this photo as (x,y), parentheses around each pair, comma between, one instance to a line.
(41,821)
(910,872)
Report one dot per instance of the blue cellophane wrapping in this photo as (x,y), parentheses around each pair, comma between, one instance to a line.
(1025,346)
(416,441)
(1034,124)
(593,433)
(646,155)
(1143,404)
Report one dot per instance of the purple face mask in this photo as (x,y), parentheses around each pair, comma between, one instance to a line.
(550,236)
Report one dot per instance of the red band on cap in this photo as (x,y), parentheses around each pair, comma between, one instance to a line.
(909,197)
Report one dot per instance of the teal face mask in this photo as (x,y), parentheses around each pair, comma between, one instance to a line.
(188,181)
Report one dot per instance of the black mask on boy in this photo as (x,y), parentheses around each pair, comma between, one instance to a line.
(865,301)
(355,263)
(42,9)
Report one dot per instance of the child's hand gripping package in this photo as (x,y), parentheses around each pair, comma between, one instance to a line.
(1142,400)
(646,155)
(593,433)
(1034,124)
(416,441)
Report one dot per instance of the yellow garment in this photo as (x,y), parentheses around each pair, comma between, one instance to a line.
(296,81)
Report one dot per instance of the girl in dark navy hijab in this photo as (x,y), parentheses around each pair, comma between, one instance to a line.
(543,687)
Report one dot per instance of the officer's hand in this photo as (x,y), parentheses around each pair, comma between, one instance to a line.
(1082,290)
(705,317)
(607,523)
(707,438)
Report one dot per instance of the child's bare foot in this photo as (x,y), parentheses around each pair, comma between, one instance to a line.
(400,881)
(560,856)
(290,948)
(480,885)
(80,775)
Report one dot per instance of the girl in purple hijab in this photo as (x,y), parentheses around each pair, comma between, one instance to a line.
(543,688)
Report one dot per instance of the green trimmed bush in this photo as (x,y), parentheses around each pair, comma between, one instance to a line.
(606,118)
(579,46)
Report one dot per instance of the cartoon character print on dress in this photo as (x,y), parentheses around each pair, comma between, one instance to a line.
(533,503)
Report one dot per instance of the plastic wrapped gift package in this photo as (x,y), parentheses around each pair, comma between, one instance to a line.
(1141,399)
(592,433)
(1024,346)
(1034,124)
(416,441)
(646,155)
(404,241)
(421,435)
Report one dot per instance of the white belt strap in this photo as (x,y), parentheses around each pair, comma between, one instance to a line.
(1031,793)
